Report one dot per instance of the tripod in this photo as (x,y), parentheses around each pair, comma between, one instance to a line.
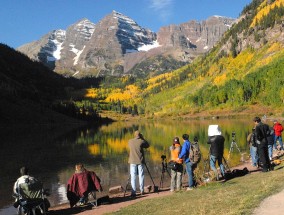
(129,178)
(233,143)
(164,169)
(206,171)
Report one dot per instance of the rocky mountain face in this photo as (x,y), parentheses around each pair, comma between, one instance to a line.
(117,45)
(194,38)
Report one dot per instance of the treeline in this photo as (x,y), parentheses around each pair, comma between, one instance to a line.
(264,85)
(156,66)
(69,108)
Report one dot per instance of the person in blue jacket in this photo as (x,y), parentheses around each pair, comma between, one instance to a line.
(188,165)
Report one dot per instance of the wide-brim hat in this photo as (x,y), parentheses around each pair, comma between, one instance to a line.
(214,130)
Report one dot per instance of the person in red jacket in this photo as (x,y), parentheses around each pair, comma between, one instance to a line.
(80,184)
(278,128)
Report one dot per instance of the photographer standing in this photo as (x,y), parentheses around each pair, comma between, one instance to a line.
(253,148)
(261,132)
(136,161)
(176,174)
(216,140)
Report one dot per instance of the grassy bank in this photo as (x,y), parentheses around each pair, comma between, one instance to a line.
(236,196)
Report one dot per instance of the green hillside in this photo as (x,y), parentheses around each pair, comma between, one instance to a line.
(243,73)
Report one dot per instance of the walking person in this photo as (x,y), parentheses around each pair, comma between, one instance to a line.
(188,165)
(261,132)
(253,148)
(176,174)
(278,129)
(137,161)
(216,141)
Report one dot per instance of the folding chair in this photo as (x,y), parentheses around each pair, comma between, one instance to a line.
(30,199)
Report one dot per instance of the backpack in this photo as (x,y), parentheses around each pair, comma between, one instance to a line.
(194,153)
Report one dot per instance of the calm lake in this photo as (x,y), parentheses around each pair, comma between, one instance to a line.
(51,153)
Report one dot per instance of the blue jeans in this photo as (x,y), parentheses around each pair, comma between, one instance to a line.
(254,155)
(279,138)
(137,169)
(270,151)
(189,169)
(213,160)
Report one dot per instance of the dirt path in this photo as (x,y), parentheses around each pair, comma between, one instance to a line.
(271,205)
(117,202)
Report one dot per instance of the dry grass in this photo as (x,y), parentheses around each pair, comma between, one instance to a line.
(237,196)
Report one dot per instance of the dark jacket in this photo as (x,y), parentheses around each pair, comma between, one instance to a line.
(262,131)
(217,145)
(270,136)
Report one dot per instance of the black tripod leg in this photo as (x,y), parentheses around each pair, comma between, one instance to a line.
(155,187)
(162,180)
(126,185)
(226,164)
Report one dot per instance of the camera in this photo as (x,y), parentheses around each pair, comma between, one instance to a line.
(163,157)
(233,134)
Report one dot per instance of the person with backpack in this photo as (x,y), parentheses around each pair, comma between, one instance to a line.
(188,165)
(195,153)
(176,173)
(253,148)
(278,128)
(216,141)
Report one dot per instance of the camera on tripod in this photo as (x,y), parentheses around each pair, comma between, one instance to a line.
(233,135)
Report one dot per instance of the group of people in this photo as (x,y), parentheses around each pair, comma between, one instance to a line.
(179,154)
(262,141)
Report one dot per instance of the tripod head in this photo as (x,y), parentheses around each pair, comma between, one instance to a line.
(233,136)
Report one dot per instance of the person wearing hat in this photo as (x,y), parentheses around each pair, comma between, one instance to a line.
(188,165)
(137,161)
(176,174)
(216,141)
(278,128)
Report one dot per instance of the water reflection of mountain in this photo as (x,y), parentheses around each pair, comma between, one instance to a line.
(43,149)
(51,153)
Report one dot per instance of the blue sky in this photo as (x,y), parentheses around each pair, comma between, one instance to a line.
(24,21)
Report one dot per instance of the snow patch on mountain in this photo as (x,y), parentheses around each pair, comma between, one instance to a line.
(77,52)
(76,73)
(56,40)
(57,52)
(86,28)
(146,47)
